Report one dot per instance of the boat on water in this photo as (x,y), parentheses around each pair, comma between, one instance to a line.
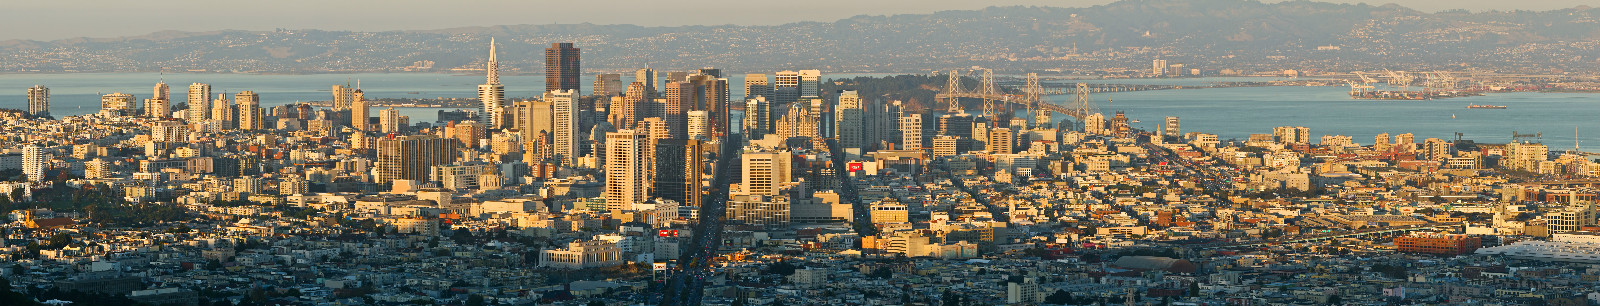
(1475,106)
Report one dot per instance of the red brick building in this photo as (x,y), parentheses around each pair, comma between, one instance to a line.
(1449,245)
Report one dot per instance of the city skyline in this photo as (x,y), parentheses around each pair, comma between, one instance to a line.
(1289,163)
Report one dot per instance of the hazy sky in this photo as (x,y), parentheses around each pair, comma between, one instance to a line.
(57,19)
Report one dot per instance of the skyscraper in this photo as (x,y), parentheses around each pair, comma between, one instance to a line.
(1172,128)
(698,125)
(412,157)
(648,77)
(757,117)
(157,108)
(677,165)
(360,112)
(199,102)
(766,172)
(1000,141)
(389,120)
(625,169)
(565,124)
(786,88)
(628,110)
(38,100)
(681,98)
(223,112)
(755,85)
(492,95)
(249,110)
(713,72)
(849,120)
(561,68)
(711,95)
(810,83)
(34,162)
(911,132)
(608,84)
(342,96)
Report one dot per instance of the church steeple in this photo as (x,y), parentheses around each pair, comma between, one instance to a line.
(493,66)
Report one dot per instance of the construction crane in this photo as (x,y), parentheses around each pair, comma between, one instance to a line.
(1366,84)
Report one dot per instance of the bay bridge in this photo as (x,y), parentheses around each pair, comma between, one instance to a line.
(997,102)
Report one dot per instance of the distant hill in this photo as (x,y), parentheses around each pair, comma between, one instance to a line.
(1202,34)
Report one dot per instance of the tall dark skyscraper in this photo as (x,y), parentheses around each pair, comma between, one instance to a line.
(677,165)
(561,67)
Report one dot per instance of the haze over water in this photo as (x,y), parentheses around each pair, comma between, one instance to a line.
(1227,112)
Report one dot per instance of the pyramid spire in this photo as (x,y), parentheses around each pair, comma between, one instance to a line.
(494,65)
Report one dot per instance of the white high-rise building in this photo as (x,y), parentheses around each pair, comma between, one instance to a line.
(38,100)
(1094,123)
(911,132)
(700,125)
(1172,128)
(34,162)
(626,163)
(1158,67)
(810,83)
(342,96)
(199,102)
(389,120)
(765,173)
(492,95)
(565,124)
(159,103)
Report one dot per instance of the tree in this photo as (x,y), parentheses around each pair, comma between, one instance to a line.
(475,300)
(781,268)
(596,303)
(1335,300)
(59,241)
(1194,289)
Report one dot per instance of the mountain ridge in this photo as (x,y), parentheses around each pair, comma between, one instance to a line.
(1205,34)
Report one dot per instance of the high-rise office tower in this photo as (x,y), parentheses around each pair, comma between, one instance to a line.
(38,100)
(810,83)
(565,125)
(911,132)
(680,99)
(849,120)
(389,120)
(886,120)
(711,95)
(627,111)
(360,112)
(224,113)
(799,121)
(561,67)
(713,72)
(250,117)
(677,165)
(492,95)
(608,84)
(118,104)
(755,85)
(786,88)
(757,117)
(698,125)
(766,172)
(1158,67)
(675,76)
(626,164)
(1000,141)
(533,117)
(1172,128)
(958,125)
(199,102)
(34,162)
(413,157)
(648,77)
